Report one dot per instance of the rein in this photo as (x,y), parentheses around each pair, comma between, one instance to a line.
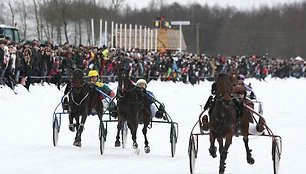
(129,90)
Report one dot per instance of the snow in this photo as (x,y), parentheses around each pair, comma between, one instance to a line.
(26,134)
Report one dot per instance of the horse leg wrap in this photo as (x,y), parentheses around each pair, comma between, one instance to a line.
(222,161)
(250,159)
(81,128)
(223,156)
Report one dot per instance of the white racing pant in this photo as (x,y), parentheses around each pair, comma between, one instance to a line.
(253,130)
(154,109)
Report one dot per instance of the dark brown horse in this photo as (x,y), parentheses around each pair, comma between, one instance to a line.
(224,117)
(133,108)
(82,99)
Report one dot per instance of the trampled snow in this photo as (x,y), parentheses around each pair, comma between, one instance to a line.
(26,134)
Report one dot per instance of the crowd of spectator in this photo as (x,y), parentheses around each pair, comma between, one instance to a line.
(34,62)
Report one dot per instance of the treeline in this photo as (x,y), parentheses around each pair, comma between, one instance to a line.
(279,31)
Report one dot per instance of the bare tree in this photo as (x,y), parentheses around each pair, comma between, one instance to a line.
(116,4)
(22,9)
(12,13)
(37,19)
(2,21)
(65,22)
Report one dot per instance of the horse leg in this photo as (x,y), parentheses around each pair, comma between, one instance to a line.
(245,134)
(220,142)
(71,125)
(119,128)
(224,151)
(250,159)
(133,127)
(134,134)
(144,131)
(212,149)
(80,128)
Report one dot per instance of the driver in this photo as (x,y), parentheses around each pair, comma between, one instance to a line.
(155,112)
(255,129)
(240,93)
(94,79)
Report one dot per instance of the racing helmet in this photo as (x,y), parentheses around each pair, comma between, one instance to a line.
(93,73)
(241,77)
(141,81)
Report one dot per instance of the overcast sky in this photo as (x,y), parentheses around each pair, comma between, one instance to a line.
(240,4)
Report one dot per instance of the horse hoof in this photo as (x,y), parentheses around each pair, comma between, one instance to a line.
(251,160)
(117,144)
(137,151)
(77,143)
(147,149)
(221,170)
(212,152)
(135,146)
(214,155)
(71,127)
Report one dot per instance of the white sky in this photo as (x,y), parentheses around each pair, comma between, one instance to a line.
(240,4)
(26,134)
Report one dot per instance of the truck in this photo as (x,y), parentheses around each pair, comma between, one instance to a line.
(9,32)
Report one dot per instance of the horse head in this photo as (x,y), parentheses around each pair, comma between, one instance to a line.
(124,80)
(77,78)
(224,86)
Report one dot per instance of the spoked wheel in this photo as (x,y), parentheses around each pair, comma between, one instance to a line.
(124,133)
(276,153)
(173,138)
(102,137)
(56,130)
(192,154)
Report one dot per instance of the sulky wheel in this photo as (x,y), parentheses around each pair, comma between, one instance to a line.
(55,131)
(124,133)
(192,154)
(276,154)
(173,139)
(102,137)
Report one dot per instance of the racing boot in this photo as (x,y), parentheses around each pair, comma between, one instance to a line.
(65,104)
(160,113)
(114,113)
(261,125)
(205,123)
(113,110)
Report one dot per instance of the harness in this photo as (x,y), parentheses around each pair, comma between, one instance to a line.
(72,96)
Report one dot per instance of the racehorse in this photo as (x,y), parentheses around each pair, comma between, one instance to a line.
(82,99)
(224,116)
(133,108)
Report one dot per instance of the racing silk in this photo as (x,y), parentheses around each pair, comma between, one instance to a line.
(104,88)
(151,97)
(250,91)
